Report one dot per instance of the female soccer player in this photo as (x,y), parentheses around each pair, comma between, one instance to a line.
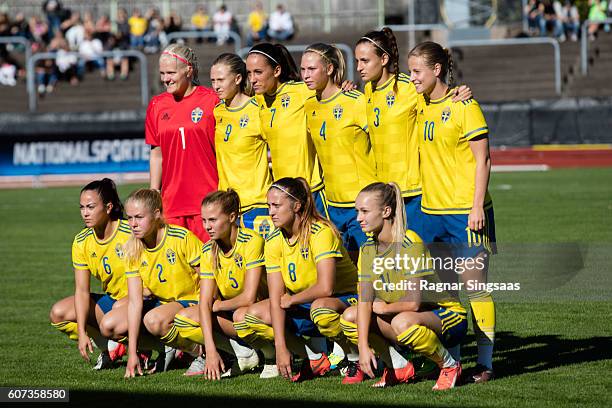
(455,168)
(180,127)
(281,97)
(97,250)
(311,279)
(242,152)
(425,321)
(391,111)
(338,125)
(231,269)
(165,259)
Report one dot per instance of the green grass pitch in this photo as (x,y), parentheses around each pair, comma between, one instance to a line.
(554,345)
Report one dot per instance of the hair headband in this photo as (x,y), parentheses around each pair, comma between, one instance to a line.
(284,190)
(178,57)
(266,54)
(377,46)
(322,54)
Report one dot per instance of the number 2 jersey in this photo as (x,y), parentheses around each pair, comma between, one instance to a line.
(185,132)
(167,270)
(104,259)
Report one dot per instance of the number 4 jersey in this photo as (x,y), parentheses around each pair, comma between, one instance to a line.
(185,132)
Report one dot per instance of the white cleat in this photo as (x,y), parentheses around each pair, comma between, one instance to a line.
(196,367)
(269,371)
(246,364)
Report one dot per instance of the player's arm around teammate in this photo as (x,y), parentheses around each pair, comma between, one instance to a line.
(458,208)
(96,250)
(338,125)
(231,269)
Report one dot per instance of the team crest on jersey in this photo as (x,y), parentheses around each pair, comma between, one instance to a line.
(196,115)
(446,113)
(244,121)
(338,112)
(264,228)
(285,99)
(238,260)
(304,252)
(119,251)
(390,99)
(171,256)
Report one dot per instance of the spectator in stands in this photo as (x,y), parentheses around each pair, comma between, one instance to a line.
(281,24)
(8,73)
(200,21)
(76,33)
(88,22)
(46,76)
(567,14)
(55,14)
(65,61)
(120,40)
(222,21)
(155,35)
(550,20)
(597,14)
(73,19)
(533,15)
(90,51)
(138,28)
(173,22)
(257,24)
(39,30)
(19,26)
(103,30)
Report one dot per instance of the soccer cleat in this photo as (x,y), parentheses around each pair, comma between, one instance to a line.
(448,378)
(354,375)
(269,371)
(425,368)
(248,363)
(334,360)
(312,368)
(144,357)
(104,361)
(394,376)
(196,367)
(481,374)
(117,352)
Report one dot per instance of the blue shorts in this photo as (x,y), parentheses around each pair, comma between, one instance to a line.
(454,326)
(321,202)
(415,218)
(105,301)
(345,219)
(298,317)
(150,304)
(453,229)
(258,220)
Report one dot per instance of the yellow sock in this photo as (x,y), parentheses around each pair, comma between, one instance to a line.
(260,329)
(483,313)
(424,341)
(327,321)
(188,329)
(69,328)
(349,329)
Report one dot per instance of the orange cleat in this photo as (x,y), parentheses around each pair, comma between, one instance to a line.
(312,368)
(448,378)
(396,376)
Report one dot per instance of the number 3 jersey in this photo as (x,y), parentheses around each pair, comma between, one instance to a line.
(298,264)
(231,269)
(448,167)
(167,270)
(104,259)
(185,132)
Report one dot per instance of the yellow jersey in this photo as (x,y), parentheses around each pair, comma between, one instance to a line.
(256,21)
(242,154)
(168,269)
(448,167)
(338,128)
(103,259)
(283,124)
(230,272)
(391,124)
(386,275)
(298,265)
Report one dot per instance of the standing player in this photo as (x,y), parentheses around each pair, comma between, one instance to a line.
(311,279)
(242,152)
(165,259)
(338,125)
(231,269)
(390,310)
(96,251)
(455,163)
(180,128)
(391,109)
(281,97)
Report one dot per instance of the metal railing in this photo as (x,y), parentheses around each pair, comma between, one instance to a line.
(584,47)
(412,28)
(144,79)
(519,41)
(206,34)
(350,56)
(19,40)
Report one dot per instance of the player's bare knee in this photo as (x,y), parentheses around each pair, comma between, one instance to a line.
(107,327)
(57,313)
(239,313)
(403,322)
(350,314)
